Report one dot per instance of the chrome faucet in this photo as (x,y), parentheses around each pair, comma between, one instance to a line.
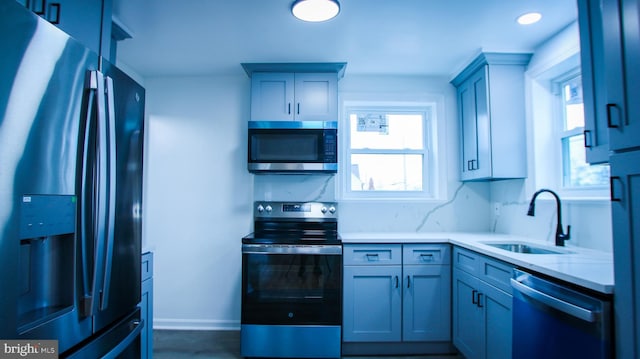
(560,235)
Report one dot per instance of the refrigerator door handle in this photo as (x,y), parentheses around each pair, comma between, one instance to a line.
(111,190)
(93,187)
(553,302)
(91,86)
(99,194)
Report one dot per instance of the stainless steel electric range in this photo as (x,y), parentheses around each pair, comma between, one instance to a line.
(292,282)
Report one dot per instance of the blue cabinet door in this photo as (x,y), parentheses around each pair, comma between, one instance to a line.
(272,96)
(146,306)
(81,19)
(372,303)
(498,321)
(316,97)
(472,102)
(627,136)
(594,88)
(468,317)
(625,214)
(426,305)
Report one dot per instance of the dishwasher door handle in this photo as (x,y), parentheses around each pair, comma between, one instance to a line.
(553,302)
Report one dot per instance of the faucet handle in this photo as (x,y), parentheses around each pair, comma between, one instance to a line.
(567,235)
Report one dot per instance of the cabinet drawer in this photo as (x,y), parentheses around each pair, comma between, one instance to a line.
(497,273)
(426,254)
(492,271)
(372,254)
(147,266)
(467,260)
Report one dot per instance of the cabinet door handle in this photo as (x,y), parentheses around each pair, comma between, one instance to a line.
(471,165)
(480,300)
(610,123)
(39,11)
(473,297)
(372,257)
(612,181)
(298,109)
(426,257)
(397,281)
(408,281)
(54,8)
(588,142)
(289,108)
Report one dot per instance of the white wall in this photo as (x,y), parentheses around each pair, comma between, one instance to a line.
(198,194)
(197,200)
(458,207)
(589,214)
(461,207)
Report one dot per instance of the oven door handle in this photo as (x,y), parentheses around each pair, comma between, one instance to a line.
(291,249)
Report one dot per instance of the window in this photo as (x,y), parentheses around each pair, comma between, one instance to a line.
(576,172)
(388,152)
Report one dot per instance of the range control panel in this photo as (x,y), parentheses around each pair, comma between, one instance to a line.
(324,210)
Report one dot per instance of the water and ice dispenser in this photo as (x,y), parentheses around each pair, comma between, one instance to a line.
(47,265)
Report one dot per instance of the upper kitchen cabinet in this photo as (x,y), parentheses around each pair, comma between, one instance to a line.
(491,110)
(601,75)
(294,92)
(608,52)
(88,21)
(625,136)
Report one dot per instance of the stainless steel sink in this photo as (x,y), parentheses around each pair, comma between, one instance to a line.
(526,248)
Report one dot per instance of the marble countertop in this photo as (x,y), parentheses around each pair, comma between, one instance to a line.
(587,268)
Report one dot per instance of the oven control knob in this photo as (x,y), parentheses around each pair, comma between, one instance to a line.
(260,208)
(268,209)
(332,209)
(323,209)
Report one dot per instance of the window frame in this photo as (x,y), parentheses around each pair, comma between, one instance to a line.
(430,175)
(560,134)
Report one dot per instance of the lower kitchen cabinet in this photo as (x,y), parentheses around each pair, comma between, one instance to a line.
(146,306)
(397,299)
(482,303)
(372,303)
(426,308)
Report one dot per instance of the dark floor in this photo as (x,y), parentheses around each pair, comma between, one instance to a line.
(176,344)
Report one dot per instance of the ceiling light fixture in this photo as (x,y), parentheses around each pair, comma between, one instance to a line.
(529,18)
(315,10)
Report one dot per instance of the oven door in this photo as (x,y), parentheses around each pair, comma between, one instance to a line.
(291,284)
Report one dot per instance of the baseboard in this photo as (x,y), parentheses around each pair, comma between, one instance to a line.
(195,324)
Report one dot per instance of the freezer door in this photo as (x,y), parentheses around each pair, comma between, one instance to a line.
(43,104)
(121,278)
(121,340)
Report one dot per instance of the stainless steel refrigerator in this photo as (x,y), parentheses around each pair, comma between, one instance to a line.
(71,141)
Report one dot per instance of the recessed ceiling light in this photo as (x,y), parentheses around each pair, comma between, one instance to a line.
(529,18)
(315,10)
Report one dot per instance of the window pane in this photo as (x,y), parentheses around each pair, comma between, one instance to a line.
(376,172)
(573,104)
(577,172)
(386,131)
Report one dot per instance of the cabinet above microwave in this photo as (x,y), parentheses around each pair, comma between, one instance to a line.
(294,91)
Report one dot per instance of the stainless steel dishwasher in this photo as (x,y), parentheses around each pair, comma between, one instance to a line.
(552,320)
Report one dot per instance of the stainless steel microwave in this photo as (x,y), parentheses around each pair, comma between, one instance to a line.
(293,146)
